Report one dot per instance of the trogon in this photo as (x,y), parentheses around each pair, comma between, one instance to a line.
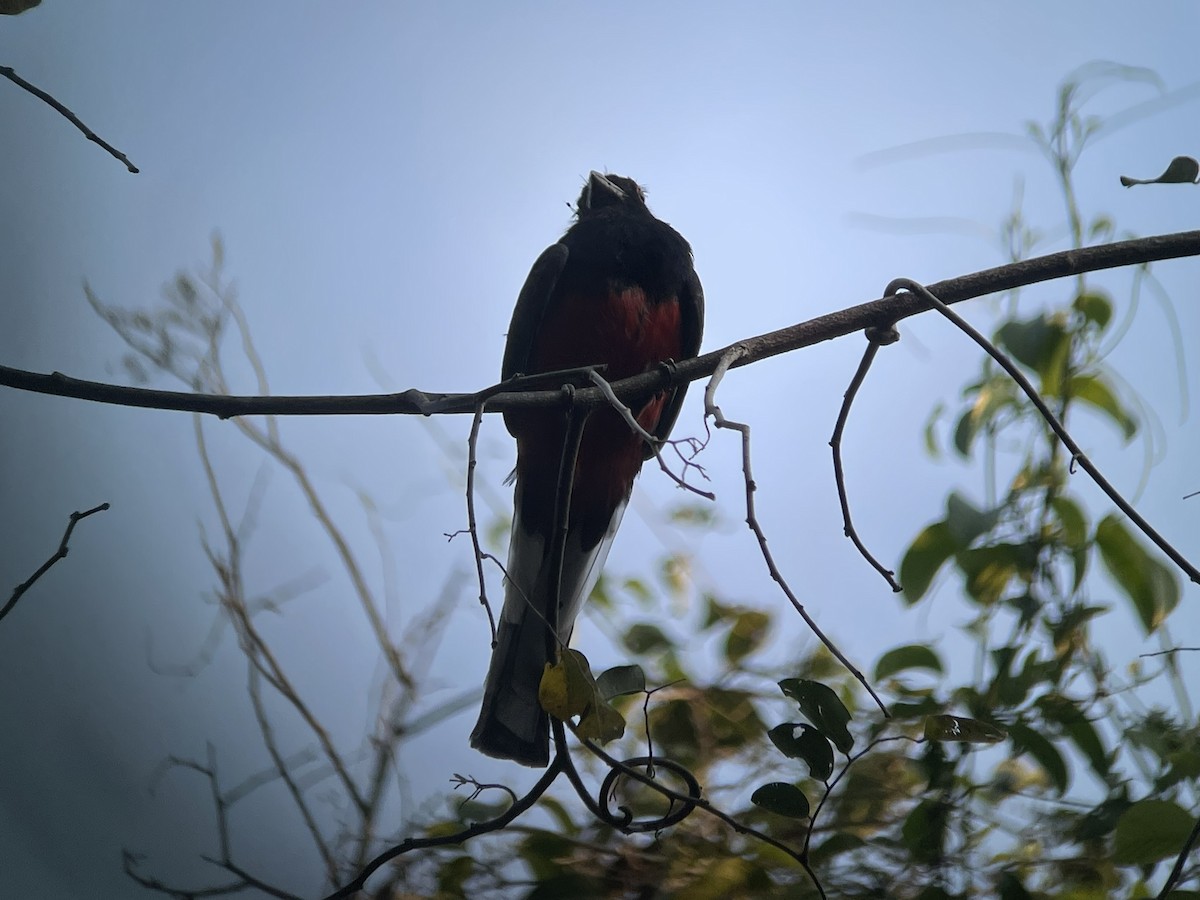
(618,290)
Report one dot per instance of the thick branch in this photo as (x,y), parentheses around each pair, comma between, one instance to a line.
(878,313)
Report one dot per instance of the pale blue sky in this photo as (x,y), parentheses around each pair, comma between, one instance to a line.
(383,177)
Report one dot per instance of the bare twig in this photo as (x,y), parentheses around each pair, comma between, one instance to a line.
(472,526)
(58,554)
(20,82)
(711,409)
(458,837)
(651,441)
(1177,870)
(1077,454)
(881,313)
(875,339)
(225,860)
(700,803)
(1169,652)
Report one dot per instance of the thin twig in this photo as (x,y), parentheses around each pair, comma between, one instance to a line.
(880,313)
(875,339)
(1169,652)
(458,837)
(711,409)
(701,803)
(1177,870)
(58,554)
(651,441)
(20,82)
(472,527)
(224,861)
(1077,454)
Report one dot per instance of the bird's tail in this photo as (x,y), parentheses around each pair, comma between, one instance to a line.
(512,724)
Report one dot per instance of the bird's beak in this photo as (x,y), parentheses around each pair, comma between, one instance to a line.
(598,185)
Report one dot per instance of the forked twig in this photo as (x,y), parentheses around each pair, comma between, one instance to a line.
(732,355)
(472,527)
(58,554)
(651,441)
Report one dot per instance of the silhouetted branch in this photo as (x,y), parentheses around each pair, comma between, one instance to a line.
(458,837)
(694,800)
(1077,454)
(1177,870)
(20,82)
(58,554)
(731,358)
(882,313)
(876,338)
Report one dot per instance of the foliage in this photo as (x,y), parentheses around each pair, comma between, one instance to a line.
(975,787)
(1042,774)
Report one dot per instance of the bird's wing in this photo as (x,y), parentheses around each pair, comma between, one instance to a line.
(531,306)
(691,309)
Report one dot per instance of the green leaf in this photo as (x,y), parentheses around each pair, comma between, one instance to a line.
(698,514)
(909,656)
(1009,887)
(1095,391)
(1150,830)
(965,521)
(644,637)
(1102,227)
(453,874)
(838,843)
(1151,587)
(916,710)
(1073,531)
(957,729)
(1026,740)
(714,612)
(810,745)
(931,442)
(748,632)
(1041,344)
(1075,725)
(782,799)
(1071,520)
(924,831)
(990,570)
(992,397)
(621,680)
(823,708)
(568,689)
(639,589)
(1095,307)
(932,547)
(1180,170)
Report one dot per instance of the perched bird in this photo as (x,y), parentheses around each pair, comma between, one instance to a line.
(618,290)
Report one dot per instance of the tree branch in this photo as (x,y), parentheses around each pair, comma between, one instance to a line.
(1077,454)
(511,395)
(20,82)
(58,554)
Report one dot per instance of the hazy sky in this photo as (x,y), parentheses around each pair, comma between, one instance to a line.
(383,175)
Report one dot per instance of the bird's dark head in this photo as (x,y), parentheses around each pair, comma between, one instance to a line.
(609,190)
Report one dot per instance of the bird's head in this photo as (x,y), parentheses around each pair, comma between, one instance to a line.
(604,190)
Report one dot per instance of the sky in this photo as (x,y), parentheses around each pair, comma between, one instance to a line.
(382,177)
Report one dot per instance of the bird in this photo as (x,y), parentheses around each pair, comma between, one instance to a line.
(617,290)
